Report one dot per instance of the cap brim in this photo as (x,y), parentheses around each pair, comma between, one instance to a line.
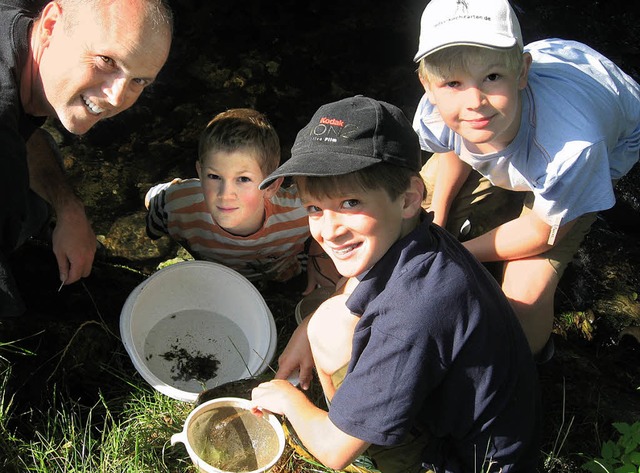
(495,42)
(319,165)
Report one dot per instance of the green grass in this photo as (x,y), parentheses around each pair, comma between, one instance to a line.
(126,434)
(130,434)
(123,433)
(128,425)
(128,428)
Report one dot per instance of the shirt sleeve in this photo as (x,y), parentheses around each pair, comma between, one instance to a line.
(157,217)
(575,187)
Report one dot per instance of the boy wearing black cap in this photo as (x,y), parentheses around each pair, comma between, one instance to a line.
(421,358)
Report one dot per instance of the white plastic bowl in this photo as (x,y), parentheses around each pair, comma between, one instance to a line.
(205,429)
(203,310)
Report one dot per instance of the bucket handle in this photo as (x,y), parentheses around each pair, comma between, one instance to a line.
(179,437)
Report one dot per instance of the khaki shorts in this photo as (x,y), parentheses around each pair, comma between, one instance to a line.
(485,206)
(402,458)
(563,252)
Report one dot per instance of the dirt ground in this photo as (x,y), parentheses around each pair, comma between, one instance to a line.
(286,58)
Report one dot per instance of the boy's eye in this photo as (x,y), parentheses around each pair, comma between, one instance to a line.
(312,209)
(493,77)
(350,204)
(244,179)
(452,84)
(213,176)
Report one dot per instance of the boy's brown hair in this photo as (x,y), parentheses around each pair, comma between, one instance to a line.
(242,128)
(394,180)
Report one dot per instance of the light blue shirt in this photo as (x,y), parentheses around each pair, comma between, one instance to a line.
(579,130)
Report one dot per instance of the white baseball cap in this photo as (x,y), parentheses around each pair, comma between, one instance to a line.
(485,23)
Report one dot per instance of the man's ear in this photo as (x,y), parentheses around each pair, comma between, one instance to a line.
(413,198)
(524,73)
(273,188)
(49,18)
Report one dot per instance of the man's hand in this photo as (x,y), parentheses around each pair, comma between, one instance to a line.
(74,243)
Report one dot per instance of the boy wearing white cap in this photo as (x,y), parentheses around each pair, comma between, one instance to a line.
(552,125)
(421,358)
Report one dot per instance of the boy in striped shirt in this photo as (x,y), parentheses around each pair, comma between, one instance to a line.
(222,216)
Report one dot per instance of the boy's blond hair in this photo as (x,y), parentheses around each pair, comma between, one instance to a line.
(242,128)
(441,64)
(394,180)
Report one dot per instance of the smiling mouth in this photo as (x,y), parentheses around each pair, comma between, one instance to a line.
(344,250)
(93,108)
(479,122)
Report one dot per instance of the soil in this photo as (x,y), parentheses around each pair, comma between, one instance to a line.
(286,58)
(188,366)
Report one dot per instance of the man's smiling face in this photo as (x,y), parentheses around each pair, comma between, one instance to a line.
(96,65)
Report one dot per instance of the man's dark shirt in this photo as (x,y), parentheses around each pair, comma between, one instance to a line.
(15,126)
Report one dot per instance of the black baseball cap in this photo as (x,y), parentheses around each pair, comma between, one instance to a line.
(349,135)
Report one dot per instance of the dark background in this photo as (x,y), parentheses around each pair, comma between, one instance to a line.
(286,58)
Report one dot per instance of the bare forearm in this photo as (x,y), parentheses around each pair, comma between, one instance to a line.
(322,438)
(46,177)
(451,175)
(522,237)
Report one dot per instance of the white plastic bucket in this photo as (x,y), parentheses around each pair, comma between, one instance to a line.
(197,311)
(231,437)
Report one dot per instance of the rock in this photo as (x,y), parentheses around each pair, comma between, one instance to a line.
(127,239)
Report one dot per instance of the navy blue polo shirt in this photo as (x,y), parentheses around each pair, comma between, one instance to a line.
(439,348)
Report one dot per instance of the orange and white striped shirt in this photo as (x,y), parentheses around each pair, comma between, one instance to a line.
(275,252)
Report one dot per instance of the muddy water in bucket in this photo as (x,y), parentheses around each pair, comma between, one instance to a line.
(233,439)
(226,436)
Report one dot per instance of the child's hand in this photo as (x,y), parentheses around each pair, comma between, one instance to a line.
(297,357)
(256,411)
(275,396)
